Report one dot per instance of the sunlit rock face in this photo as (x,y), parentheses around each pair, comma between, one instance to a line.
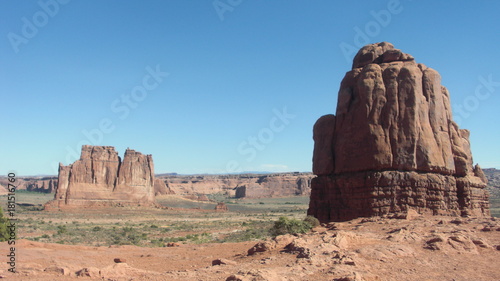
(392,145)
(100,178)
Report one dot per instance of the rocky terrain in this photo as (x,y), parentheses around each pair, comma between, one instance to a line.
(411,248)
(395,188)
(100,178)
(392,145)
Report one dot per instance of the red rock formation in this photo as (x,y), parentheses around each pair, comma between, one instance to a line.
(244,185)
(38,184)
(162,188)
(392,145)
(99,178)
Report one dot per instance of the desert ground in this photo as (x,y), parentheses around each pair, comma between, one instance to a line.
(184,240)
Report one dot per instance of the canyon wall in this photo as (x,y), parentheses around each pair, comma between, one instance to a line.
(241,186)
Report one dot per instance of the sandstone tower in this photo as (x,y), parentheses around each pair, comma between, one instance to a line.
(392,145)
(100,178)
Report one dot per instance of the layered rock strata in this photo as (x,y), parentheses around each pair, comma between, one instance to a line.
(244,185)
(100,178)
(392,145)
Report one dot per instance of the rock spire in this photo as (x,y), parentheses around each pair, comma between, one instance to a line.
(100,178)
(392,145)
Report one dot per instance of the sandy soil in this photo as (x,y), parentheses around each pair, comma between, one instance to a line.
(417,248)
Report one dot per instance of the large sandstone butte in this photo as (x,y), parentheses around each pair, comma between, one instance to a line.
(100,178)
(392,145)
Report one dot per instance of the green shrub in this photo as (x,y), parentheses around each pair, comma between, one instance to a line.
(4,233)
(286,225)
(312,221)
(61,229)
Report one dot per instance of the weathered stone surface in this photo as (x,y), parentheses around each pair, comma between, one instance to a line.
(323,161)
(393,145)
(161,188)
(100,178)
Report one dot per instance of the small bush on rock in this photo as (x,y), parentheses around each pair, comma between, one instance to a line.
(286,225)
(312,221)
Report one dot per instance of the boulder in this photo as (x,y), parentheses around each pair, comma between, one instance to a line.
(223,262)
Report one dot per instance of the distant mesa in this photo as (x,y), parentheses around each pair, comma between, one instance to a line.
(100,178)
(240,185)
(392,145)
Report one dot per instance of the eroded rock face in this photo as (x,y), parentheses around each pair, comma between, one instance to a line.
(100,178)
(393,145)
(244,185)
(162,188)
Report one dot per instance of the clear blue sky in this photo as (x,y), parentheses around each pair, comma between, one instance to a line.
(224,75)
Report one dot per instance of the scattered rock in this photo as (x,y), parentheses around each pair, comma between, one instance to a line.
(58,270)
(481,243)
(235,277)
(457,221)
(88,272)
(120,260)
(435,243)
(223,262)
(489,228)
(353,277)
(300,248)
(283,240)
(342,258)
(261,247)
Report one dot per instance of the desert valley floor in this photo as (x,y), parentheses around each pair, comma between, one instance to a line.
(183,241)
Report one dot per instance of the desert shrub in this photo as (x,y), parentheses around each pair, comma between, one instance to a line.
(249,234)
(61,229)
(97,228)
(312,221)
(286,225)
(4,233)
(127,229)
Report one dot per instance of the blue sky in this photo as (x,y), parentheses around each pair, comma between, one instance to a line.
(220,86)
